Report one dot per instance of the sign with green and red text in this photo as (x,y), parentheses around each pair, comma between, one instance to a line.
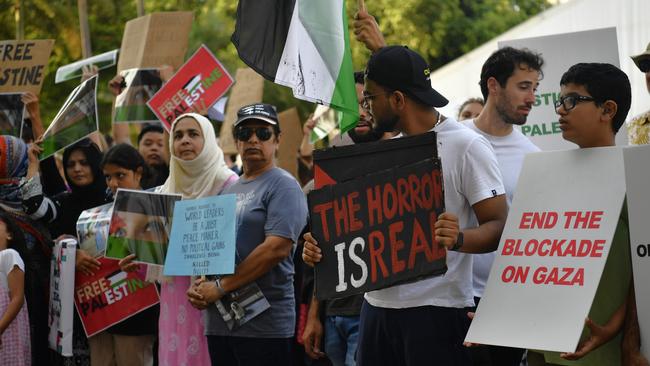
(198,84)
(111,296)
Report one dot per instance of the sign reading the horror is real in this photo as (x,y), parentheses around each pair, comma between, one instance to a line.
(377,230)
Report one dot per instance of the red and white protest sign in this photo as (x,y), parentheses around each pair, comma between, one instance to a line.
(553,250)
(198,84)
(110,296)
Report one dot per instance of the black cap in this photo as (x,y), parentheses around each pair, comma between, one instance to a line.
(399,68)
(258,111)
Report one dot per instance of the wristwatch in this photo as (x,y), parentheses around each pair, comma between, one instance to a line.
(459,242)
(220,289)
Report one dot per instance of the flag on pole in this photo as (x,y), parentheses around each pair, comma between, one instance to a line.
(302,44)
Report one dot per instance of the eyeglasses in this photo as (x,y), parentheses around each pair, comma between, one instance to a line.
(569,102)
(368,97)
(245,133)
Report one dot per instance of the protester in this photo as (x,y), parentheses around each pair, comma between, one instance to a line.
(638,129)
(341,328)
(129,342)
(399,94)
(594,101)
(153,148)
(87,190)
(470,109)
(509,79)
(14,322)
(271,213)
(13,169)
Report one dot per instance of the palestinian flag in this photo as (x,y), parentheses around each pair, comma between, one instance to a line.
(302,44)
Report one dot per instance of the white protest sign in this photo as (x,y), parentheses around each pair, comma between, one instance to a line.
(561,51)
(553,250)
(637,176)
(75,69)
(61,312)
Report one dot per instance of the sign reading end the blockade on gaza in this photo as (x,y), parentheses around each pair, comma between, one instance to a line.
(195,87)
(377,230)
(551,258)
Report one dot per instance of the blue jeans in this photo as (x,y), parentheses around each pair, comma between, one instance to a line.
(341,333)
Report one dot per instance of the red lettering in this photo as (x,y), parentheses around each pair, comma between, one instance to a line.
(427,188)
(395,246)
(389,193)
(418,245)
(596,217)
(509,246)
(402,196)
(321,210)
(436,179)
(376,237)
(525,220)
(374,206)
(341,217)
(515,274)
(568,216)
(414,186)
(597,248)
(353,208)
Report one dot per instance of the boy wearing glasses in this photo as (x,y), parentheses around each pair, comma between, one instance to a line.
(594,101)
(639,128)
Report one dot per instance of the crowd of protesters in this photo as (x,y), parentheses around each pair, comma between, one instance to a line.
(418,323)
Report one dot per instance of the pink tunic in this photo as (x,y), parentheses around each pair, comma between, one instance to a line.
(16,347)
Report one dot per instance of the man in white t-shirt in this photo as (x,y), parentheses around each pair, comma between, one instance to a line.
(425,322)
(509,79)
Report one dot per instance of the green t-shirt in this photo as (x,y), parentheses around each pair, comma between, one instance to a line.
(611,293)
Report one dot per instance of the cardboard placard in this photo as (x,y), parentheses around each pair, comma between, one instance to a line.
(290,143)
(155,39)
(202,240)
(12,109)
(552,251)
(637,177)
(140,225)
(195,86)
(61,315)
(248,89)
(23,65)
(75,69)
(378,230)
(75,120)
(111,296)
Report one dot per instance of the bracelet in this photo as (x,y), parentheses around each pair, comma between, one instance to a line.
(220,289)
(459,242)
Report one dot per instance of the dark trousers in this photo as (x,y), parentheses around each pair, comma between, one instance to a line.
(496,355)
(425,335)
(243,351)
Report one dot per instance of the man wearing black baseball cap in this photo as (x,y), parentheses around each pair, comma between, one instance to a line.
(427,319)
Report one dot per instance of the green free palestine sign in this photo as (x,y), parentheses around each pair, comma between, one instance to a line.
(542,129)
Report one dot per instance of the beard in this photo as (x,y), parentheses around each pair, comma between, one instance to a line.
(509,116)
(387,124)
(370,136)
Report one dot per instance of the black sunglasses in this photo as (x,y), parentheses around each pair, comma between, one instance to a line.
(245,133)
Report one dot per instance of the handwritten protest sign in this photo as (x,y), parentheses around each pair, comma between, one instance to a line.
(202,241)
(92,229)
(24,64)
(378,230)
(75,69)
(110,296)
(131,103)
(637,177)
(553,250)
(75,120)
(60,319)
(155,40)
(248,89)
(11,114)
(195,86)
(140,225)
(291,139)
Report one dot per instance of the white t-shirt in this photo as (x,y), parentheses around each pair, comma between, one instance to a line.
(8,259)
(470,174)
(510,151)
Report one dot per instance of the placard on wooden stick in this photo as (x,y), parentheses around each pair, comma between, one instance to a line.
(24,64)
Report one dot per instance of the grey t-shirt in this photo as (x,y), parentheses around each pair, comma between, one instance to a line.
(271,204)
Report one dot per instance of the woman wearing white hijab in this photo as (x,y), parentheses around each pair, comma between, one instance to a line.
(196,169)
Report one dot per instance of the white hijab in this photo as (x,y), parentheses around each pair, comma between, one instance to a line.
(203,176)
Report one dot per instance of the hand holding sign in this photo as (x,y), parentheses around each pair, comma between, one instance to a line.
(311,253)
(447,230)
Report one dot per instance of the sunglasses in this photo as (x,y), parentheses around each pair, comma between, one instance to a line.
(245,133)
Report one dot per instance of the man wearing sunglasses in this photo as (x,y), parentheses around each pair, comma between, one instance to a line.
(638,129)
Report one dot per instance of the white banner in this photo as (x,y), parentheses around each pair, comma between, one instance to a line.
(637,176)
(62,296)
(553,250)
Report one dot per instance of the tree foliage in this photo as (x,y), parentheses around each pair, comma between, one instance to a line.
(441,30)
